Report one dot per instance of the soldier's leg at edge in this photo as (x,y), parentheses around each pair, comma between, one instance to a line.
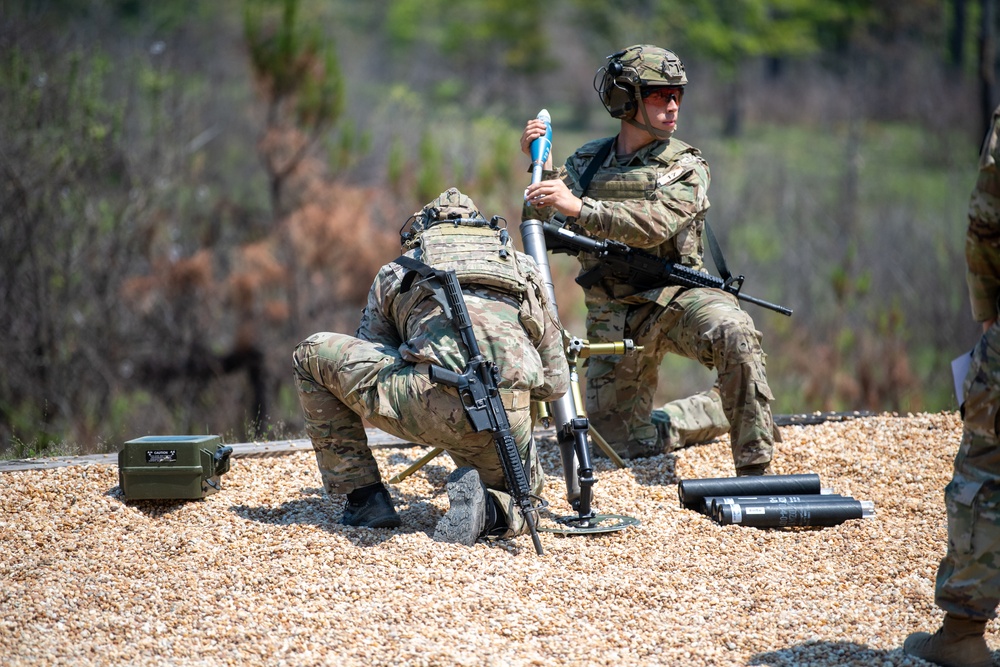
(968,582)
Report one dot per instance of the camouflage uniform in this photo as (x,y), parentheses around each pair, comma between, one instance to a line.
(656,200)
(692,420)
(968,579)
(381,375)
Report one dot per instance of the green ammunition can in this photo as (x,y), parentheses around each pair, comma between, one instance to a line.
(167,467)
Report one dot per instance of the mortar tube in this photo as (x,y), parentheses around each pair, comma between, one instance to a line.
(692,491)
(802,514)
(710,504)
(780,500)
(570,423)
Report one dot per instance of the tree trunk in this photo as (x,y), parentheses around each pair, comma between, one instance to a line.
(733,124)
(956,39)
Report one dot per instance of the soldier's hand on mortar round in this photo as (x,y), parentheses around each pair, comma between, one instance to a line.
(554,193)
(533,130)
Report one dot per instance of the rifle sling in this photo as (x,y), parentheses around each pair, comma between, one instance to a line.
(716,250)
(594,165)
(414,268)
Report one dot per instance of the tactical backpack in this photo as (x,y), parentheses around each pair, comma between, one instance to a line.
(453,236)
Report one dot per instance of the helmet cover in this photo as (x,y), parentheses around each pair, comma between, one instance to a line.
(450,206)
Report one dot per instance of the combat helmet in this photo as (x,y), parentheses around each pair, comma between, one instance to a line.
(628,71)
(450,206)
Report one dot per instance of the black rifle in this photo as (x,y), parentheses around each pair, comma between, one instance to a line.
(640,269)
(478,388)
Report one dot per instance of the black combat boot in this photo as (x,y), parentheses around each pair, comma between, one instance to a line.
(472,513)
(960,642)
(496,523)
(370,507)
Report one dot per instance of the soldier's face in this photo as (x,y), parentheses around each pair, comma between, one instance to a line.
(663,106)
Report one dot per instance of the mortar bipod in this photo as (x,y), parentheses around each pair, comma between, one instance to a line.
(577,348)
(578,471)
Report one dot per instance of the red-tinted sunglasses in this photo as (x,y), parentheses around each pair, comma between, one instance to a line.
(663,94)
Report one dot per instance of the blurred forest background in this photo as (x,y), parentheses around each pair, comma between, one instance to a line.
(188,189)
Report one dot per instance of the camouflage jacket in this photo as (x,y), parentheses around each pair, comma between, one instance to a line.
(414,323)
(656,201)
(982,241)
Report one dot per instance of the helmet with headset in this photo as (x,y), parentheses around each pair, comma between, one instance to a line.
(628,72)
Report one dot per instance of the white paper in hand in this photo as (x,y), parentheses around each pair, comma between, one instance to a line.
(959,369)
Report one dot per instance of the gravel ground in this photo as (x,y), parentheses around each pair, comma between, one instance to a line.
(261,573)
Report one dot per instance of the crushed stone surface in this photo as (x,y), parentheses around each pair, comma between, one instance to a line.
(261,573)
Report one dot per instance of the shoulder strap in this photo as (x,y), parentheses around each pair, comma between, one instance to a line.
(594,165)
(716,250)
(432,280)
(413,268)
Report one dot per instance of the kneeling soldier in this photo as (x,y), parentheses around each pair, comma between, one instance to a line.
(382,373)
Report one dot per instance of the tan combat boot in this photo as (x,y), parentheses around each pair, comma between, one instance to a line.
(959,643)
(754,470)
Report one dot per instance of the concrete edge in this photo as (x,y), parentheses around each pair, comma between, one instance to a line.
(241,450)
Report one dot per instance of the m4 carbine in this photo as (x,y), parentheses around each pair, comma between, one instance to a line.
(640,269)
(478,387)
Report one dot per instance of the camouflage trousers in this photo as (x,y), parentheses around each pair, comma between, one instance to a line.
(692,420)
(968,578)
(703,324)
(342,381)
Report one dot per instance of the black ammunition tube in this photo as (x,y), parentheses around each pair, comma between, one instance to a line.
(782,515)
(713,503)
(692,491)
